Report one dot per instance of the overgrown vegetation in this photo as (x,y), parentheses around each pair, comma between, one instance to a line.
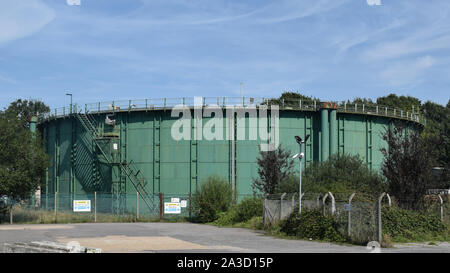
(342,174)
(407,166)
(215,196)
(311,224)
(25,215)
(273,168)
(403,225)
(23,160)
(247,209)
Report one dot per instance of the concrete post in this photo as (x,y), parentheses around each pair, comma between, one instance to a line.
(380,236)
(281,204)
(442,209)
(333,204)
(349,220)
(325,136)
(137,205)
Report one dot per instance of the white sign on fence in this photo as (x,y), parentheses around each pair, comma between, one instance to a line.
(175,200)
(183,203)
(172,208)
(81,205)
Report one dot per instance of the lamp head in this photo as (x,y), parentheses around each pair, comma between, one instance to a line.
(298,139)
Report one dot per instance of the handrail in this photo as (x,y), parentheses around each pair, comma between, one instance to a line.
(168,103)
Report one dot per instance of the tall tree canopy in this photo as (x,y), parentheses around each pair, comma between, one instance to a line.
(25,109)
(405,103)
(22,158)
(273,167)
(407,166)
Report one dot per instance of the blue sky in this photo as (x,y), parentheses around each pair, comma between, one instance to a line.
(105,50)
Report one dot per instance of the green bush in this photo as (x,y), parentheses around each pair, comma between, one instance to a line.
(409,225)
(256,223)
(311,224)
(339,173)
(248,208)
(215,196)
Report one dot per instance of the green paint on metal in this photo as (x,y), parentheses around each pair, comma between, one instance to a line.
(333,132)
(325,140)
(179,167)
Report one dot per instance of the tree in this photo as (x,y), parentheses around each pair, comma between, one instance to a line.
(273,167)
(407,166)
(339,173)
(405,103)
(290,98)
(25,109)
(215,196)
(22,159)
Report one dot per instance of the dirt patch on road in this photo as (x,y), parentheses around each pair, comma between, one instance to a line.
(119,243)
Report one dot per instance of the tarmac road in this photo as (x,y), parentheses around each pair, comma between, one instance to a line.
(183,238)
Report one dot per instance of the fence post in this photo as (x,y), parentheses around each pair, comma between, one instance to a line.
(95,206)
(380,237)
(293,199)
(333,204)
(56,204)
(281,204)
(318,200)
(161,205)
(442,209)
(11,214)
(264,209)
(137,205)
(349,214)
(190,200)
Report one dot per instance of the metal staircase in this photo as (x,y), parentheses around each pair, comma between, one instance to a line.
(129,169)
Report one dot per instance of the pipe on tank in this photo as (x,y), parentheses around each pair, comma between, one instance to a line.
(33,122)
(325,135)
(333,132)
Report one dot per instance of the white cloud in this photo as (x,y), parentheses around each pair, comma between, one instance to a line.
(73,2)
(373,2)
(407,72)
(19,19)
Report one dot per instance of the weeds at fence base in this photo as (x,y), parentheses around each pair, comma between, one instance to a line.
(27,216)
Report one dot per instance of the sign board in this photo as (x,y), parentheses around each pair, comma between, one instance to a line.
(172,208)
(347,207)
(183,203)
(175,200)
(81,205)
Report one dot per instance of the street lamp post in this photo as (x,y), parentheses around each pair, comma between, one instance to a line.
(300,156)
(70,102)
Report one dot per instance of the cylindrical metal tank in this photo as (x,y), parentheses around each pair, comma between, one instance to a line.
(131,146)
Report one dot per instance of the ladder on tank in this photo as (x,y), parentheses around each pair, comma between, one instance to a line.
(137,179)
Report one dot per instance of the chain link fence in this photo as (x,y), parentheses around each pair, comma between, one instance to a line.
(358,215)
(100,207)
(96,207)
